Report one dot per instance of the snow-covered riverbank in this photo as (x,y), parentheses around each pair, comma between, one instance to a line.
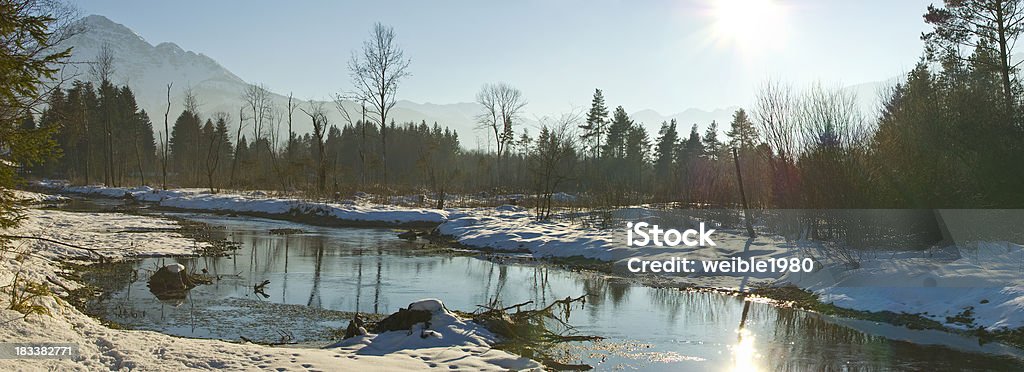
(260,204)
(456,344)
(974,285)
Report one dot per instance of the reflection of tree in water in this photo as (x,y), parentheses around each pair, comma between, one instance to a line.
(802,338)
(284,278)
(540,286)
(494,296)
(359,277)
(790,323)
(596,287)
(377,282)
(698,307)
(314,293)
(253,262)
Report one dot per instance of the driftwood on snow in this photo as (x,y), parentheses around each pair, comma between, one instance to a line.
(90,250)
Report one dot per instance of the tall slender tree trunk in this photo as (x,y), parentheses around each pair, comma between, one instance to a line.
(138,159)
(234,159)
(1004,59)
(88,150)
(362,147)
(110,157)
(166,140)
(743,195)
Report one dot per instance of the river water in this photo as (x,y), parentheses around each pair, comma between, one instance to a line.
(317,277)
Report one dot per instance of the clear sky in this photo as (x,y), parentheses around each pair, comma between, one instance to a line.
(666,55)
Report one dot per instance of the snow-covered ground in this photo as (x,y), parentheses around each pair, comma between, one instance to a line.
(260,203)
(986,278)
(37,198)
(454,344)
(510,228)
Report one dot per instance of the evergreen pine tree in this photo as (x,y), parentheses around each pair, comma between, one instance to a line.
(184,143)
(665,150)
(615,146)
(691,148)
(712,146)
(742,134)
(596,125)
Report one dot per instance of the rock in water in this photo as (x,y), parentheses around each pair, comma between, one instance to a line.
(418,312)
(408,235)
(170,282)
(175,268)
(403,320)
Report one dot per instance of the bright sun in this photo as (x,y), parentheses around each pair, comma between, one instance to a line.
(749,26)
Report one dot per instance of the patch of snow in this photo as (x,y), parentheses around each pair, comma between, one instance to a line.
(175,268)
(260,202)
(37,198)
(509,208)
(562,197)
(987,280)
(114,235)
(445,329)
(432,305)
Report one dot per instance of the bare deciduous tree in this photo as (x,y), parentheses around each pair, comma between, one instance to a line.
(553,159)
(376,73)
(275,117)
(502,105)
(257,100)
(774,109)
(190,100)
(828,117)
(102,66)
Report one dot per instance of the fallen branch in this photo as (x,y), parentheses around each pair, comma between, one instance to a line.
(552,337)
(516,306)
(258,288)
(527,332)
(59,284)
(91,250)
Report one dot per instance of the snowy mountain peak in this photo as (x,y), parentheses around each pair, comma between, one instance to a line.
(98,24)
(170,47)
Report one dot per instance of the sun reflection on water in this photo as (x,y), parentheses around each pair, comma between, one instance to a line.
(745,357)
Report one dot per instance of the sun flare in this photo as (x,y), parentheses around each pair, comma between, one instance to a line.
(748,26)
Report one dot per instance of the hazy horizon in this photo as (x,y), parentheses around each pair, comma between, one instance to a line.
(666,56)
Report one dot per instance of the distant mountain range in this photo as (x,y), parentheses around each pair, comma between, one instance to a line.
(147,69)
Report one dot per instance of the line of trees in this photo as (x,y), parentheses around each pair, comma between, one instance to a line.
(212,152)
